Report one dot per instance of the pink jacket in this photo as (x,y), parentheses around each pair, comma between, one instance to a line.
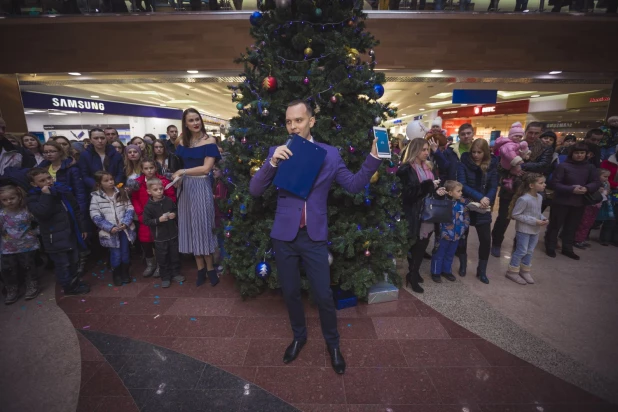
(510,152)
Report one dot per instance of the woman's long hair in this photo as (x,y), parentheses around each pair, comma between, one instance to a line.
(413,149)
(132,166)
(162,143)
(483,146)
(186,133)
(98,178)
(55,145)
(39,147)
(526,180)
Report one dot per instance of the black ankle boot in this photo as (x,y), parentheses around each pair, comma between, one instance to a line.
(124,273)
(413,283)
(201,277)
(117,275)
(481,271)
(214,279)
(463,264)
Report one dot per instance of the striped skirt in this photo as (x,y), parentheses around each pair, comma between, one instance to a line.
(196,217)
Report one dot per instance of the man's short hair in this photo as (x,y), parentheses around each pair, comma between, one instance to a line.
(593,131)
(155,181)
(111,128)
(464,127)
(34,172)
(170,126)
(304,103)
(534,124)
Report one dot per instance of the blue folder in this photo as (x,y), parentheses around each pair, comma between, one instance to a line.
(298,173)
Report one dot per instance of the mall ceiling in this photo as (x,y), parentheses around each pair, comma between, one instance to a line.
(412,92)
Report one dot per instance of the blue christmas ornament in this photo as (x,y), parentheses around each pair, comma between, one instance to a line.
(256,18)
(243,209)
(379,90)
(262,270)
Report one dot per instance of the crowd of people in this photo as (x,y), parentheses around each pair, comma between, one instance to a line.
(65,199)
(527,171)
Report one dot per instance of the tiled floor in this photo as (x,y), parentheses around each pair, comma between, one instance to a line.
(402,356)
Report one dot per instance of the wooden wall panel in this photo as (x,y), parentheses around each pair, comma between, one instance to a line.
(168,42)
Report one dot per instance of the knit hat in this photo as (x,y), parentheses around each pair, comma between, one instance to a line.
(516,129)
(569,137)
(133,146)
(551,134)
(415,130)
(437,122)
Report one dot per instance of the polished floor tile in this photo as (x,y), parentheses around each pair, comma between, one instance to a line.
(117,404)
(388,386)
(479,385)
(409,328)
(87,350)
(269,352)
(104,382)
(192,401)
(138,325)
(216,351)
(497,356)
(174,370)
(258,307)
(414,408)
(203,326)
(304,407)
(140,306)
(88,370)
(442,352)
(258,400)
(88,321)
(88,403)
(302,385)
(201,307)
(364,353)
(398,308)
(85,304)
(454,330)
(349,328)
(216,378)
(275,328)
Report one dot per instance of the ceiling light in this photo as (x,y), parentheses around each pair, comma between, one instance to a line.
(465,104)
(403,114)
(437,71)
(75,74)
(193,71)
(151,92)
(94,97)
(506,95)
(555,72)
(58,114)
(38,111)
(536,95)
(163,105)
(421,109)
(182,102)
(441,95)
(443,103)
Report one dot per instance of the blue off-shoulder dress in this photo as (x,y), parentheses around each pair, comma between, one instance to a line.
(196,207)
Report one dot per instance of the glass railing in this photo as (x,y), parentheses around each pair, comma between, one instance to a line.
(51,7)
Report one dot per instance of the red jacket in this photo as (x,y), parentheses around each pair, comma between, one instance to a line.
(611,164)
(139,198)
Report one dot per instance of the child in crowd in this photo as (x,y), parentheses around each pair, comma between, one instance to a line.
(590,213)
(112,212)
(160,216)
(513,151)
(132,166)
(219,192)
(19,244)
(606,216)
(61,225)
(139,198)
(450,233)
(526,210)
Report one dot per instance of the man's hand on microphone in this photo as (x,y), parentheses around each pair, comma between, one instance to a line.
(281,153)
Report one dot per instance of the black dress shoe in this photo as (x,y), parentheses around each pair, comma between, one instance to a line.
(449,276)
(570,254)
(427,256)
(336,359)
(293,350)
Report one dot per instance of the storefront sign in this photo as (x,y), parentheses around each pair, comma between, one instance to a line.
(452,126)
(583,124)
(588,99)
(517,107)
(49,101)
(468,96)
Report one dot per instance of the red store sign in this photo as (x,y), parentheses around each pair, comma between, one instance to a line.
(517,107)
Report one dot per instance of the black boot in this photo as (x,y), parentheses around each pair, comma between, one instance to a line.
(214,279)
(201,277)
(463,264)
(124,273)
(413,283)
(117,275)
(481,271)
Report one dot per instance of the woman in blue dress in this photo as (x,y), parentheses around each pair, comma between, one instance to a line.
(196,211)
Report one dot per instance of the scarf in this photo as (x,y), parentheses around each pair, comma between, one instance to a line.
(423,172)
(61,190)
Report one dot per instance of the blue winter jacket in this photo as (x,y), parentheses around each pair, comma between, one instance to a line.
(447,162)
(90,163)
(477,185)
(69,175)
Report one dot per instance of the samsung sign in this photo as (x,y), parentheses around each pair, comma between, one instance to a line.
(32,100)
(77,104)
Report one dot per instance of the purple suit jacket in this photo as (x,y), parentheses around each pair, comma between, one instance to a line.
(289,206)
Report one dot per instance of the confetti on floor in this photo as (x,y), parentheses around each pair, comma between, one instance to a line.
(193,319)
(181,283)
(83,300)
(156,302)
(86,327)
(157,316)
(157,297)
(116,289)
(110,285)
(88,310)
(156,286)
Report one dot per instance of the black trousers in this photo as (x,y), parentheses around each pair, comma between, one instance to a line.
(416,253)
(314,256)
(566,218)
(484,234)
(168,258)
(18,266)
(502,221)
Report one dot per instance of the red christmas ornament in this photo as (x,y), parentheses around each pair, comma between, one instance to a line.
(228,235)
(367,253)
(269,84)
(333,99)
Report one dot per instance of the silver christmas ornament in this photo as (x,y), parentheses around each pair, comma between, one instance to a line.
(377,120)
(372,53)
(265,112)
(283,4)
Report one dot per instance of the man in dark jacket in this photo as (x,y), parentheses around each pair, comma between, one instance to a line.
(539,162)
(160,216)
(61,225)
(100,156)
(593,139)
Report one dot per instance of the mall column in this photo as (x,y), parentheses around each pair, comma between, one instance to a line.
(11,107)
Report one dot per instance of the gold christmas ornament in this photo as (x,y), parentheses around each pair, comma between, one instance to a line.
(308,52)
(375,177)
(254,170)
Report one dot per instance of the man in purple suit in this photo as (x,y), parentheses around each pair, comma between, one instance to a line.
(300,231)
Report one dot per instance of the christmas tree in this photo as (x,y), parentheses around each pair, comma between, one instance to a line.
(318,51)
